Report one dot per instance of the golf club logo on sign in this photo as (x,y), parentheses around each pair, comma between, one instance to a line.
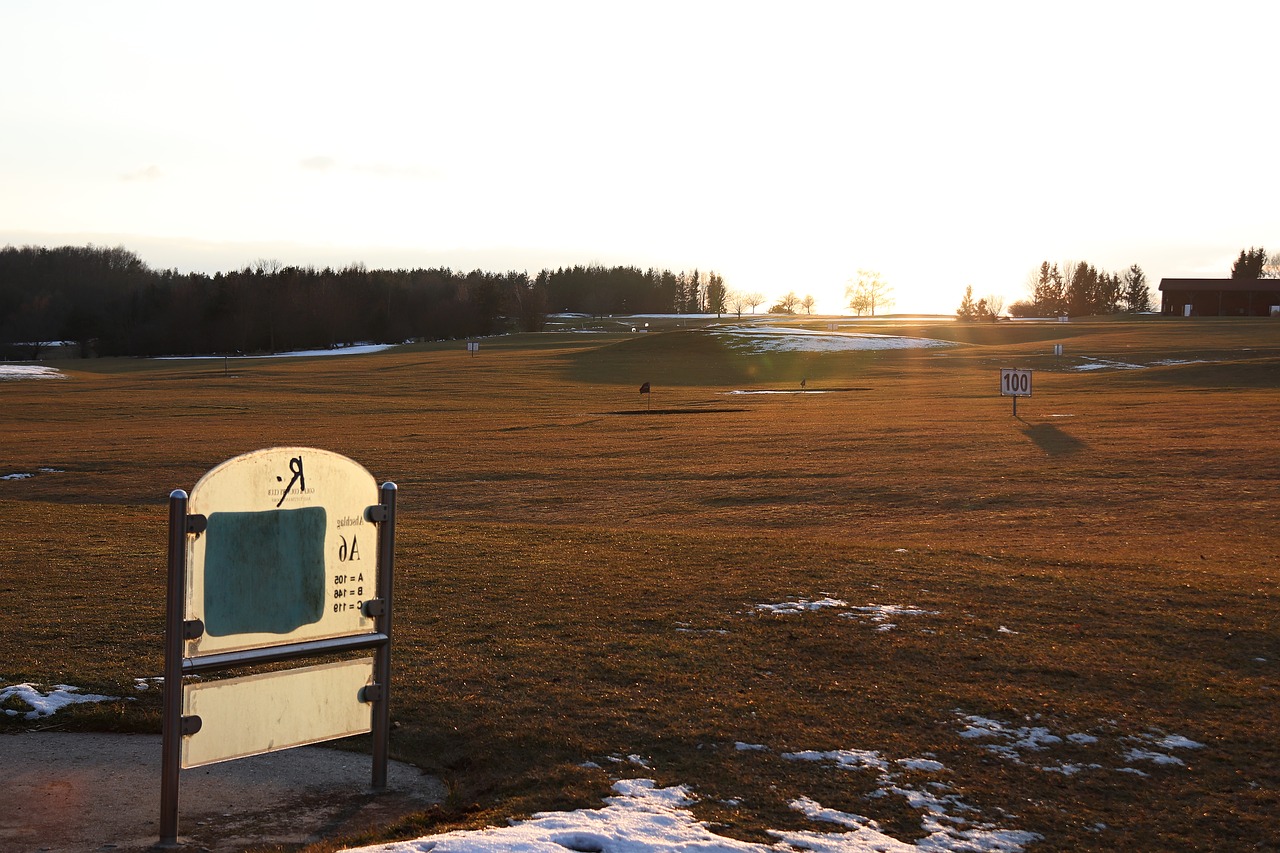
(296,477)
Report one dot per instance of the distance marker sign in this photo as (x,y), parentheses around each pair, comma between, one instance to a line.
(287,555)
(1015,382)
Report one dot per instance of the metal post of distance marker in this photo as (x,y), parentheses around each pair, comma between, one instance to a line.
(381,722)
(171,721)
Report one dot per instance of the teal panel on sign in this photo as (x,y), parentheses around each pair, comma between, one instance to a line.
(264,571)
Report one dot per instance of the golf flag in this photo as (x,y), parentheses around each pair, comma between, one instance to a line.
(644,389)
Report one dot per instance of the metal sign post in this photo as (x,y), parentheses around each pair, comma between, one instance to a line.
(1015,383)
(267,564)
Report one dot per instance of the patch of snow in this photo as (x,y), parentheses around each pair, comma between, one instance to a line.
(766,339)
(1153,757)
(750,747)
(686,628)
(354,349)
(1164,742)
(631,759)
(46,704)
(849,759)
(19,476)
(941,818)
(1104,364)
(1011,738)
(29,371)
(1012,741)
(882,613)
(801,606)
(1176,742)
(878,614)
(643,818)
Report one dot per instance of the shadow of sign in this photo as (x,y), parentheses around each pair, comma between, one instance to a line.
(1052,440)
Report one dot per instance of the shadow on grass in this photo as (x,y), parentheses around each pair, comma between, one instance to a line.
(1052,440)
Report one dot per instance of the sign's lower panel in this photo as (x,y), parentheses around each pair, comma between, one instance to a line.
(261,713)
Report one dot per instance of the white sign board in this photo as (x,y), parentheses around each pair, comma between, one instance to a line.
(287,555)
(275,710)
(1015,382)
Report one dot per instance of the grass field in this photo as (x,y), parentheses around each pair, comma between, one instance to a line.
(581,570)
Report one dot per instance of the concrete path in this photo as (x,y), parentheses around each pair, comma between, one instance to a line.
(90,792)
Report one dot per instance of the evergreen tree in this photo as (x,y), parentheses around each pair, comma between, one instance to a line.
(968,309)
(1136,295)
(716,294)
(1250,263)
(1050,294)
(693,294)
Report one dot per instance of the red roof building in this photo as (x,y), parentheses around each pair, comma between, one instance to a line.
(1220,297)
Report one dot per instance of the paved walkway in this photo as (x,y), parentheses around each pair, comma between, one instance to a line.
(91,792)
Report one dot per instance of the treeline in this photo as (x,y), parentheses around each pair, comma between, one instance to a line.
(628,290)
(1082,290)
(111,303)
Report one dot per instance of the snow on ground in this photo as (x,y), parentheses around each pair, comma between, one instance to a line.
(27,475)
(355,349)
(1010,741)
(644,818)
(44,703)
(764,339)
(801,606)
(1107,364)
(950,823)
(878,614)
(29,371)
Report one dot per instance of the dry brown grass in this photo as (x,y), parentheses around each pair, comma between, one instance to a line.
(579,579)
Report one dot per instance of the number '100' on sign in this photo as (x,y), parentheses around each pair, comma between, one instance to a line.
(1014,382)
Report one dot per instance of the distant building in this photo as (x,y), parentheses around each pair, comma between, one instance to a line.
(1220,297)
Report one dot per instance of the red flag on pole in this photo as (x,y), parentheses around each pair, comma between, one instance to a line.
(644,389)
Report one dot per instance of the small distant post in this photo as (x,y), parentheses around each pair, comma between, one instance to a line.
(648,396)
(1015,383)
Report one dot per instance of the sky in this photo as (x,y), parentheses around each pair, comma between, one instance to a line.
(784,146)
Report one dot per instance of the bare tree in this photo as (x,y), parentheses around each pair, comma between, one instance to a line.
(754,299)
(995,304)
(807,303)
(1271,269)
(735,301)
(868,292)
